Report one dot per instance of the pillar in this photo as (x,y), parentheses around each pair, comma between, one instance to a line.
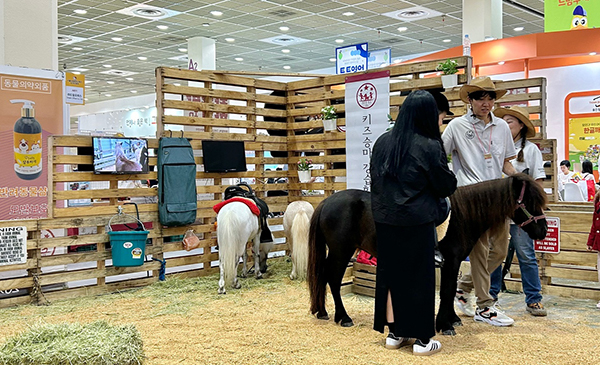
(482,18)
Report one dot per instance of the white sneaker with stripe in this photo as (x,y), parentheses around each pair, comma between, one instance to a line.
(421,349)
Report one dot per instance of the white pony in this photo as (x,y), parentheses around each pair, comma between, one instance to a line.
(296,224)
(236,225)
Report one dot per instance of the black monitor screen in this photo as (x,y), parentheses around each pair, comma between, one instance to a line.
(113,155)
(224,156)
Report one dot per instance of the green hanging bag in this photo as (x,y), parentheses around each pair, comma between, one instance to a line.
(177,201)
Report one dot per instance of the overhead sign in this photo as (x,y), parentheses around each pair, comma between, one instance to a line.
(571,15)
(74,88)
(550,244)
(379,58)
(352,58)
(367,107)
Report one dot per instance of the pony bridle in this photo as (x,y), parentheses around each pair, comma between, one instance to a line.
(530,217)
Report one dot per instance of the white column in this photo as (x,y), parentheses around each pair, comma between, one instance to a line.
(202,53)
(29,33)
(482,18)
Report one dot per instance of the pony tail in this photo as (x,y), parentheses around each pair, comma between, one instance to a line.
(228,251)
(520,157)
(316,264)
(300,228)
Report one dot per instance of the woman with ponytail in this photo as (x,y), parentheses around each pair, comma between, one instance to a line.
(529,160)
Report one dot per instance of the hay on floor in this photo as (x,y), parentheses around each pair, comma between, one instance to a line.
(97,343)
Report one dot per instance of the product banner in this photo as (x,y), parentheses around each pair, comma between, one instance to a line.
(367,107)
(582,127)
(571,15)
(31,110)
(350,59)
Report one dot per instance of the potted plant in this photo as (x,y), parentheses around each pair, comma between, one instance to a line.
(329,118)
(304,165)
(449,73)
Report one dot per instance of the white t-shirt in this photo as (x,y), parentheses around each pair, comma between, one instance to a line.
(470,140)
(563,179)
(532,160)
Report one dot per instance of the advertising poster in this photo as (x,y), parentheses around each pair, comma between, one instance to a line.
(582,127)
(367,107)
(31,109)
(562,15)
(352,58)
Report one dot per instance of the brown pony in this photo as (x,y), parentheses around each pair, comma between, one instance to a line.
(343,223)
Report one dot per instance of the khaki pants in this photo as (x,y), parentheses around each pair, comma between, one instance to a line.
(488,253)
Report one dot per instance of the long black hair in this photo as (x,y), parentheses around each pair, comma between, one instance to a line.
(523,132)
(418,115)
(587,166)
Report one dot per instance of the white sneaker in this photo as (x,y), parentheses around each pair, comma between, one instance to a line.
(465,302)
(393,342)
(493,316)
(598,305)
(431,348)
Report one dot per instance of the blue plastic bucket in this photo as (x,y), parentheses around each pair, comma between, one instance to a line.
(128,247)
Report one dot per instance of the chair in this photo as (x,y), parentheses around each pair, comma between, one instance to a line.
(573,193)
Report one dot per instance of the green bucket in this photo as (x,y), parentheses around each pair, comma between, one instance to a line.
(128,247)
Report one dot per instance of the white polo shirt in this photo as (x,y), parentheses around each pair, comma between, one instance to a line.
(470,141)
(532,160)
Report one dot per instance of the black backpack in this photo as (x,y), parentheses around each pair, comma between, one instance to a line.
(177,200)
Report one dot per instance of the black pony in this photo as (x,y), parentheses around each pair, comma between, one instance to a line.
(343,223)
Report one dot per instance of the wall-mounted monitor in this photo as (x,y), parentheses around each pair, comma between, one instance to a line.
(117,155)
(223,156)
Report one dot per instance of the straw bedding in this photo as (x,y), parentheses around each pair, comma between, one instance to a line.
(185,321)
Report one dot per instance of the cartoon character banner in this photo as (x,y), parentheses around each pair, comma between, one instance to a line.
(562,15)
(582,129)
(31,110)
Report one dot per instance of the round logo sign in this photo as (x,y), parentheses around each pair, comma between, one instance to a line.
(366,95)
(127,245)
(136,253)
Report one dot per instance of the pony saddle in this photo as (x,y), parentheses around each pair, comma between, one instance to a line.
(245,191)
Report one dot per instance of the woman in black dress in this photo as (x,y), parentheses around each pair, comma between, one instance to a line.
(410,175)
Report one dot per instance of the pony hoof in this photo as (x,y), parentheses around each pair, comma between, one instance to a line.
(324,317)
(259,276)
(222,291)
(237,286)
(244,275)
(449,333)
(292,277)
(347,323)
(457,324)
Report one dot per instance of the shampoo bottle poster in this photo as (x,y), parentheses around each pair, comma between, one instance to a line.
(31,109)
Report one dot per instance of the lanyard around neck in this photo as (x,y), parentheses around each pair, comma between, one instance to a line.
(481,142)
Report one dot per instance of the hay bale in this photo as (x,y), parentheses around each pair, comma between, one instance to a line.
(97,343)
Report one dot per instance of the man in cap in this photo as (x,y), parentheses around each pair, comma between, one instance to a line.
(481,145)
(529,160)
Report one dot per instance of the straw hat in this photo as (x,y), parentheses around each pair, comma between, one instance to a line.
(480,84)
(521,114)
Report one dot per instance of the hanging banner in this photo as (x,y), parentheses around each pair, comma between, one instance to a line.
(379,58)
(31,109)
(75,88)
(582,127)
(571,15)
(352,58)
(367,107)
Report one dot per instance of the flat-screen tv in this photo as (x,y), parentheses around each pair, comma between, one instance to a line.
(118,155)
(223,156)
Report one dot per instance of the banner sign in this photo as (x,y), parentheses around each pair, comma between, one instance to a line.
(571,15)
(13,245)
(75,88)
(582,127)
(367,107)
(31,109)
(379,58)
(550,244)
(352,58)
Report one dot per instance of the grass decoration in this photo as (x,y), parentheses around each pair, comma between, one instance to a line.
(97,343)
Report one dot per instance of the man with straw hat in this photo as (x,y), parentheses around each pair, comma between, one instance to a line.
(529,160)
(481,146)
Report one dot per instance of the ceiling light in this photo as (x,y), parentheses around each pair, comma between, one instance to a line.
(216,13)
(398,60)
(80,11)
(162,27)
(77,48)
(110,82)
(447,40)
(205,25)
(286,67)
(85,99)
(107,95)
(348,13)
(239,59)
(142,58)
(230,40)
(339,41)
(284,29)
(177,84)
(76,72)
(107,66)
(133,91)
(129,78)
(592,53)
(332,60)
(518,29)
(89,81)
(117,39)
(182,49)
(488,38)
(285,50)
(402,29)
(501,63)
